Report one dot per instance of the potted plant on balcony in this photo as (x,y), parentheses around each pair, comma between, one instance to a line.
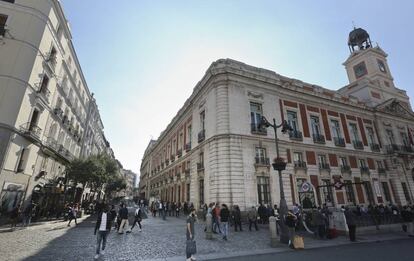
(279,164)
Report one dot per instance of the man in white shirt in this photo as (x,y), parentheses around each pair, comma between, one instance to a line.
(103,226)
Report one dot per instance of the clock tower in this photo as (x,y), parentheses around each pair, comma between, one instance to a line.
(369,76)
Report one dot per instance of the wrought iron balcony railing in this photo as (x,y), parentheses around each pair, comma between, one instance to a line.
(339,142)
(201,136)
(358,144)
(300,164)
(375,147)
(262,161)
(324,166)
(318,138)
(345,169)
(255,128)
(364,170)
(295,135)
(31,129)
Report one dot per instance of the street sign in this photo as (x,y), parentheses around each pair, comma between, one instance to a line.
(306,186)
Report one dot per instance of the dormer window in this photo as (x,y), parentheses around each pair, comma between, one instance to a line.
(360,70)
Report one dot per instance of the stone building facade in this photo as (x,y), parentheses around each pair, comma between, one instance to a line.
(350,146)
(48,116)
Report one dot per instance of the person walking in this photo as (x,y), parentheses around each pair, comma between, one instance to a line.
(73,212)
(113,216)
(351,222)
(224,220)
(14,216)
(177,209)
(28,213)
(216,219)
(237,218)
(123,215)
(252,217)
(103,227)
(290,222)
(190,232)
(138,219)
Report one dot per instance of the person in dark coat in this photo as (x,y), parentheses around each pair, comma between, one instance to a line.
(14,215)
(224,220)
(236,215)
(351,222)
(103,227)
(123,216)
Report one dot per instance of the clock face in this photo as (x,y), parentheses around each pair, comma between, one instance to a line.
(381,66)
(360,70)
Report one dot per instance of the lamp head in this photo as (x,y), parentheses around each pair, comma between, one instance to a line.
(263,123)
(286,127)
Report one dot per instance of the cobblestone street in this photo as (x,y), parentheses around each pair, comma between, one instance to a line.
(158,239)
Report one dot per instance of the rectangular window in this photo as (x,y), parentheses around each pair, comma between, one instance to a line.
(260,152)
(344,161)
(8,1)
(405,189)
(21,165)
(316,129)
(3,20)
(188,192)
(369,192)
(354,131)
(322,159)
(371,137)
(327,192)
(201,191)
(386,191)
(255,113)
(45,83)
(189,132)
(201,159)
(362,163)
(293,120)
(349,189)
(390,136)
(202,120)
(379,164)
(336,129)
(263,190)
(297,156)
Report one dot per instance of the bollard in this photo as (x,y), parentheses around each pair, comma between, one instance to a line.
(209,226)
(273,232)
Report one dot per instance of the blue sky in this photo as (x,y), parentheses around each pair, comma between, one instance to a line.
(143,58)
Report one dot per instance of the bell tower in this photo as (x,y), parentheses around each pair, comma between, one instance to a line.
(369,76)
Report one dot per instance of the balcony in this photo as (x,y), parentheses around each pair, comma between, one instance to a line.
(295,135)
(51,62)
(172,158)
(300,165)
(167,162)
(44,93)
(179,153)
(257,130)
(358,144)
(262,161)
(382,171)
(318,138)
(392,148)
(200,166)
(346,169)
(324,166)
(364,170)
(31,130)
(339,142)
(375,147)
(201,136)
(187,147)
(406,149)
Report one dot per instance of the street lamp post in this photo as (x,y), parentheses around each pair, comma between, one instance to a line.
(279,165)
